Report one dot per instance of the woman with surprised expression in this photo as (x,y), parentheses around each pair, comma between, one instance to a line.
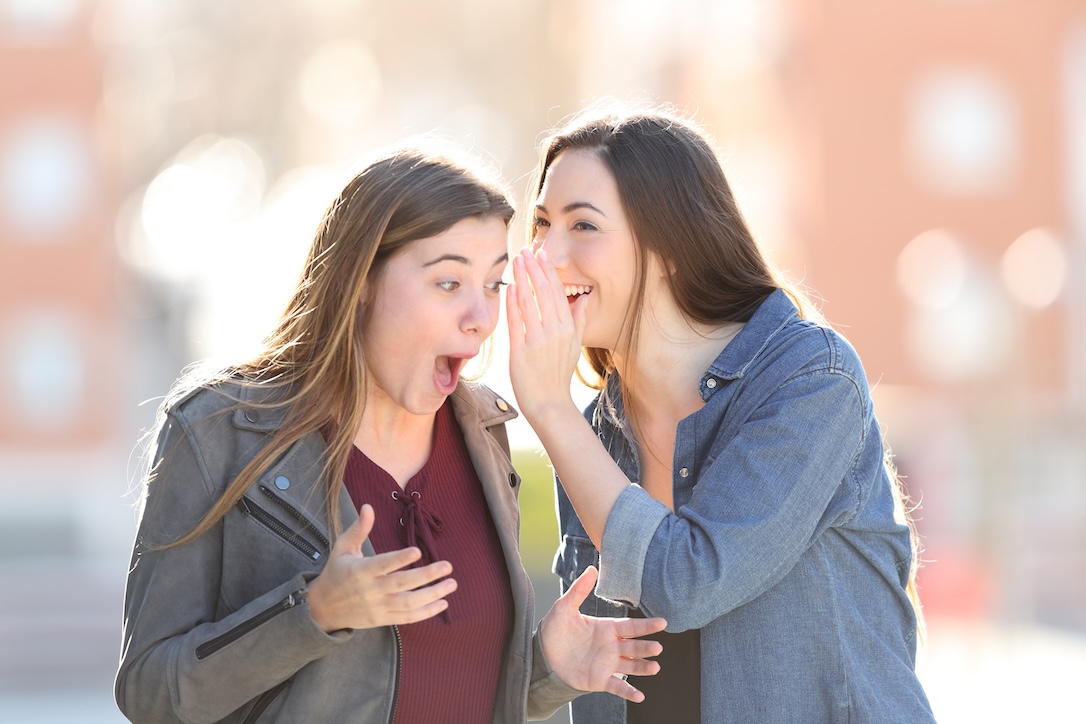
(330,529)
(730,476)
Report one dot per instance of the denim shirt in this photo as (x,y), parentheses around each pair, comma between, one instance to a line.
(782,547)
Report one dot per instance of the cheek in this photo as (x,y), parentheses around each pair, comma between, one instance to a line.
(494,305)
(594,259)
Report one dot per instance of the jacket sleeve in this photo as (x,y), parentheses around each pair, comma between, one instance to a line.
(781,479)
(186,655)
(546,693)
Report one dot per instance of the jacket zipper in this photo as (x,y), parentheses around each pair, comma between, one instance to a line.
(223,640)
(297,514)
(250,508)
(399,664)
(264,701)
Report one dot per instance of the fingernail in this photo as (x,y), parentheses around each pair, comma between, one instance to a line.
(542,255)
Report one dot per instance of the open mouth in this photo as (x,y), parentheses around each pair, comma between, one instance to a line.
(447,372)
(575,290)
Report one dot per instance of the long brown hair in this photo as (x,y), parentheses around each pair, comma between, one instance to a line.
(680,208)
(313,361)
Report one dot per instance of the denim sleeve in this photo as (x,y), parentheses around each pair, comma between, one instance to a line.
(781,479)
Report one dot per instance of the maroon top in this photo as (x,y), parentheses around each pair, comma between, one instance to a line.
(450,663)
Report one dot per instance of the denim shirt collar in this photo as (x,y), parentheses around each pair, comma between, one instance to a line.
(776,311)
(773,314)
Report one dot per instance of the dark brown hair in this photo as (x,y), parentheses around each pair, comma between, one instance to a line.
(681,209)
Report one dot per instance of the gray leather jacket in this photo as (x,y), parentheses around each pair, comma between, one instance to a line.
(218,630)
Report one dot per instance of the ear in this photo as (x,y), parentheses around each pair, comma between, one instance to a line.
(658,267)
(367,299)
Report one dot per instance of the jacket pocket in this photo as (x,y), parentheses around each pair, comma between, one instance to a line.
(292,535)
(223,640)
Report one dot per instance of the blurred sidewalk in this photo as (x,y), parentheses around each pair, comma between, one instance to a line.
(976,671)
(60,637)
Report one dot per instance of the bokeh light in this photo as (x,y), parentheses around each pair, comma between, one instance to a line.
(1034,268)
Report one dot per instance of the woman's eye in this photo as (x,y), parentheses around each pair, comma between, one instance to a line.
(540,222)
(497,285)
(449,286)
(584,226)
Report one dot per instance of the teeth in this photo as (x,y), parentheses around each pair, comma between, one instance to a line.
(573,290)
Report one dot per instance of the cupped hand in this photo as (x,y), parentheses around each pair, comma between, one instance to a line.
(356,591)
(590,653)
(544,334)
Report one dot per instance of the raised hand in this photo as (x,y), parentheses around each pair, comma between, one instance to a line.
(587,652)
(357,591)
(544,334)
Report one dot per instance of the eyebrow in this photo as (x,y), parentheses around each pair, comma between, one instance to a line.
(574,206)
(459,259)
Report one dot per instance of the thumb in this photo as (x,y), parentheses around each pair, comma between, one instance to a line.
(351,540)
(578,592)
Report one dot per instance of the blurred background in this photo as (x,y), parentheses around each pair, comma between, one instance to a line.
(919,166)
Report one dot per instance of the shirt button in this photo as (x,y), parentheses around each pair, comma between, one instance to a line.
(282,482)
(250,415)
(711,383)
(502,405)
(683,472)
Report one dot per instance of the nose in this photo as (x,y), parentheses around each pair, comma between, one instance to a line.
(557,245)
(481,315)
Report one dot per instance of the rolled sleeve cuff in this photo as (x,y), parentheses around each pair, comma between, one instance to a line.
(630,528)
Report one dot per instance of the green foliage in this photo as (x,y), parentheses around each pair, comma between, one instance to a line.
(538,525)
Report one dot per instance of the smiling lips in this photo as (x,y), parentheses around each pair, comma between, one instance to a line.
(575,290)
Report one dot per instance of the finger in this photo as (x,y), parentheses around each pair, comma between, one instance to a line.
(513,317)
(638,649)
(421,597)
(579,590)
(351,540)
(418,614)
(413,578)
(383,564)
(622,688)
(545,295)
(554,281)
(638,667)
(630,628)
(526,303)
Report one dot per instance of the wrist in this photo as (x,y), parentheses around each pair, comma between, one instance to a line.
(317,610)
(556,418)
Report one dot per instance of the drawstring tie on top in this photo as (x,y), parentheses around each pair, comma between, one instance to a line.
(421,525)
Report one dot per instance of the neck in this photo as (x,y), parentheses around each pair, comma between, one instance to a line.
(667,366)
(396,440)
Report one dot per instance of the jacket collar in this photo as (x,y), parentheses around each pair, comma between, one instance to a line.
(490,408)
(735,359)
(257,409)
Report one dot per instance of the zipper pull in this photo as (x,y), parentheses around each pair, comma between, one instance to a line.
(295,597)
